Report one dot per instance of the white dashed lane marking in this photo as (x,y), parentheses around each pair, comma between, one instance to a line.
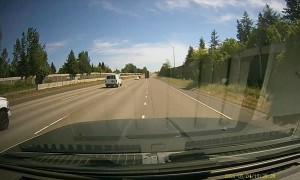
(51,124)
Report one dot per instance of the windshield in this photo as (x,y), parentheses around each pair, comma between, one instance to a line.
(194,83)
(110,77)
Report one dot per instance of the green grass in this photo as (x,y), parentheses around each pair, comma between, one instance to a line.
(20,90)
(18,86)
(247,97)
(178,82)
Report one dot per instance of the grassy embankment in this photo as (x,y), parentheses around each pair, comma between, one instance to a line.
(22,90)
(235,93)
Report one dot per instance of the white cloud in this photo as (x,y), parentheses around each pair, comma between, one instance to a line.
(51,47)
(277,5)
(225,18)
(80,36)
(105,47)
(151,55)
(105,4)
(173,4)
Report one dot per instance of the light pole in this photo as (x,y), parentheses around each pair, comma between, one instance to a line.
(173,53)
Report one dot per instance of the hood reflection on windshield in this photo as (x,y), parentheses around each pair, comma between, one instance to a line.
(150,135)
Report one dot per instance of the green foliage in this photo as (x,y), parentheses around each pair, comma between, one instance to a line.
(189,56)
(270,29)
(266,27)
(53,68)
(117,71)
(165,70)
(129,68)
(71,65)
(214,40)
(29,56)
(292,10)
(84,63)
(229,47)
(244,28)
(201,43)
(4,65)
(42,72)
(20,84)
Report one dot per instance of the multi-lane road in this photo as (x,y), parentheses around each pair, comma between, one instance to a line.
(136,99)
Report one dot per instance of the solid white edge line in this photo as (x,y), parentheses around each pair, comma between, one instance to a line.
(199,102)
(51,124)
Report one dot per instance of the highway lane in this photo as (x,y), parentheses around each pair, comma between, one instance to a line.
(136,99)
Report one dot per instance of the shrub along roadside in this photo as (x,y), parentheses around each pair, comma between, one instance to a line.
(18,86)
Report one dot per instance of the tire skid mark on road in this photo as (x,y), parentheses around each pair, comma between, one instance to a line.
(222,114)
(68,97)
(51,124)
(111,93)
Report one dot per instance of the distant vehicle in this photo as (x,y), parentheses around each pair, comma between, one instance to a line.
(147,74)
(113,80)
(137,78)
(4,113)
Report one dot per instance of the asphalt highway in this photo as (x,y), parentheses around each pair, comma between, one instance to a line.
(136,99)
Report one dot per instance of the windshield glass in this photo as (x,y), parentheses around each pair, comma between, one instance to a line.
(198,81)
(110,77)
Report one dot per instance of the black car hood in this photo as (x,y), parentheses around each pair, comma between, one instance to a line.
(142,135)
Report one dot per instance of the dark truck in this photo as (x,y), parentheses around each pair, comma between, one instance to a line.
(147,74)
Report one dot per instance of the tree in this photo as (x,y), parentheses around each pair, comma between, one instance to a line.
(4,65)
(71,65)
(201,43)
(0,38)
(244,28)
(20,57)
(292,10)
(84,63)
(62,70)
(165,69)
(144,70)
(129,68)
(214,41)
(267,18)
(39,64)
(53,68)
(229,47)
(30,56)
(107,69)
(102,66)
(189,56)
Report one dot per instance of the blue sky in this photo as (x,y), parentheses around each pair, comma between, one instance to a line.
(118,32)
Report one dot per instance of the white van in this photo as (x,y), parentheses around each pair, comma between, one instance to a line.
(113,80)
